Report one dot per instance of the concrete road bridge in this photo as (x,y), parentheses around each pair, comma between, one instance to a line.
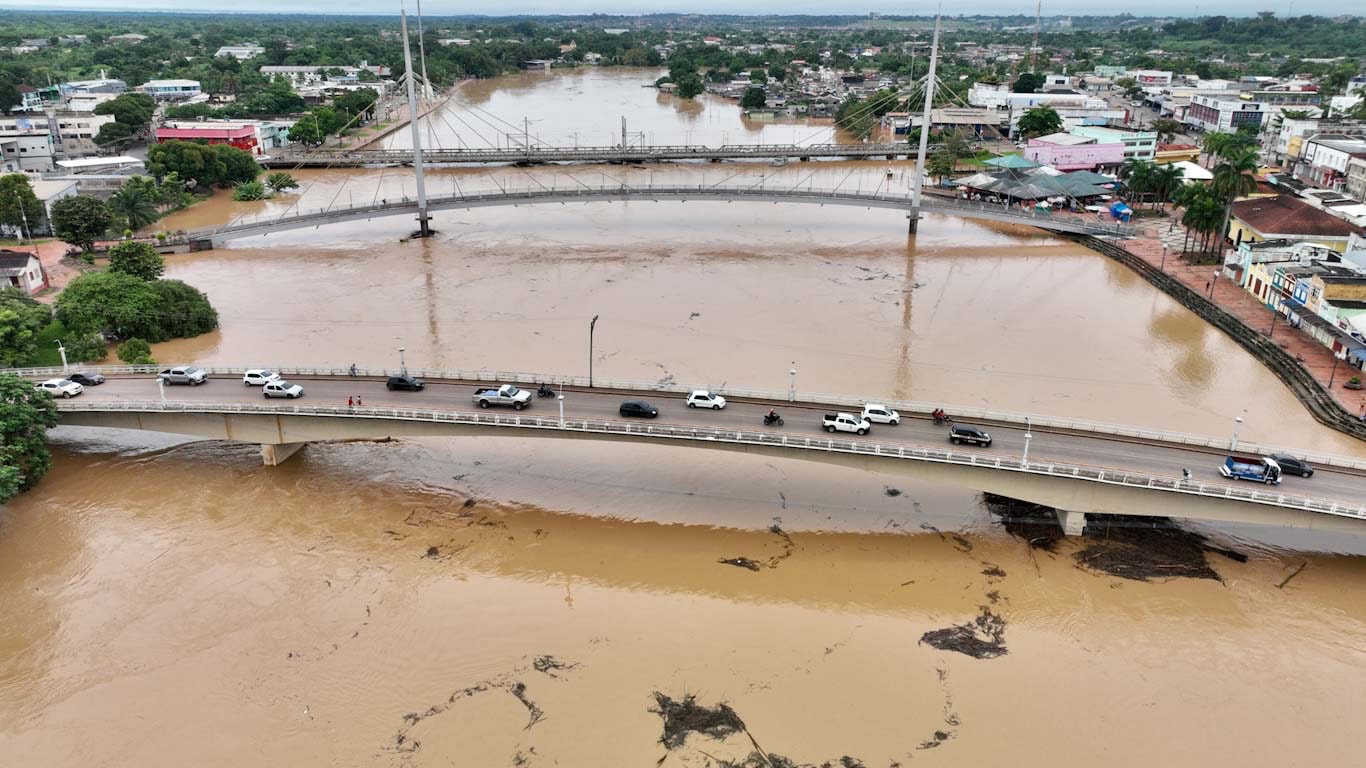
(535,155)
(1076,467)
(295,218)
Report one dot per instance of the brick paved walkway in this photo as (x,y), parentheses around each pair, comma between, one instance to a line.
(1230,297)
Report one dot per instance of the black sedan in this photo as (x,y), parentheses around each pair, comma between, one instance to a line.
(405,382)
(1289,464)
(638,408)
(87,378)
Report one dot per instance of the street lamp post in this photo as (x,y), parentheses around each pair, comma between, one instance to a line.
(1024,460)
(1213,283)
(161,386)
(1334,374)
(792,383)
(1237,422)
(402,364)
(61,350)
(592,324)
(1272,333)
(561,399)
(1163,268)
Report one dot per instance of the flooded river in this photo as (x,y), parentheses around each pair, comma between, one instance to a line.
(520,603)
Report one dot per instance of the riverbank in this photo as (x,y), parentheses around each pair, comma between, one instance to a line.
(366,137)
(1230,309)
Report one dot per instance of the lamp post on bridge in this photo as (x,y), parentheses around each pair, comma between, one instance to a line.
(402,365)
(1029,434)
(61,350)
(161,387)
(560,397)
(592,325)
(1237,422)
(792,383)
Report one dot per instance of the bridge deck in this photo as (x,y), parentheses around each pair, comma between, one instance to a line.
(294,219)
(1054,451)
(337,158)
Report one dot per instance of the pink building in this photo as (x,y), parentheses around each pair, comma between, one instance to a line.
(1068,152)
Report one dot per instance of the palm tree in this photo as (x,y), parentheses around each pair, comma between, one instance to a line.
(132,203)
(1137,176)
(1215,145)
(1167,179)
(1234,177)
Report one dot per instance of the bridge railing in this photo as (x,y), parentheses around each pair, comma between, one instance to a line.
(759,190)
(803,398)
(668,432)
(683,150)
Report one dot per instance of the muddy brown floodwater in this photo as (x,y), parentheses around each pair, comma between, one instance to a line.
(522,603)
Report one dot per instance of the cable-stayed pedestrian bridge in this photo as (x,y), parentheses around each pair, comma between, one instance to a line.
(295,218)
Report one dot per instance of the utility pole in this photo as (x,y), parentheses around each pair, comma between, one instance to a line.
(423,221)
(1033,49)
(526,137)
(623,133)
(918,181)
(422,54)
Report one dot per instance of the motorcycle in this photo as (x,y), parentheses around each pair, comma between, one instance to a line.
(545,391)
(772,419)
(940,417)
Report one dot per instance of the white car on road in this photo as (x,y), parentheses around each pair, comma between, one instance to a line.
(258,377)
(281,388)
(61,387)
(701,398)
(880,414)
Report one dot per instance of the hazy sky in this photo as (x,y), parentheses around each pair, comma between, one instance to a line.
(504,7)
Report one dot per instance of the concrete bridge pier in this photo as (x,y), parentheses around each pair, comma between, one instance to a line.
(275,454)
(1073,523)
(914,218)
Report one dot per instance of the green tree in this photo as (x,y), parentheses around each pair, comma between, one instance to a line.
(134,110)
(1166,130)
(358,102)
(20,208)
(758,76)
(1040,121)
(329,120)
(689,86)
(22,318)
(184,311)
(1138,178)
(956,143)
(25,416)
(305,131)
(88,348)
(196,163)
(1234,177)
(9,94)
(280,181)
(777,72)
(1166,180)
(238,165)
(135,352)
(111,134)
(81,220)
(941,164)
(753,99)
(249,190)
(1029,82)
(135,203)
(137,259)
(118,305)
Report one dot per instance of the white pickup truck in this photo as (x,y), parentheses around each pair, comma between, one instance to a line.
(508,394)
(845,422)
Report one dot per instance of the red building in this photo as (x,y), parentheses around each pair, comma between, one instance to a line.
(236,134)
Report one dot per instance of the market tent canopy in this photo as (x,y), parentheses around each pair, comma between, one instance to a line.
(1012,161)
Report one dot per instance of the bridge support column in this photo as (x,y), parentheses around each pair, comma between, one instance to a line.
(273,455)
(914,219)
(1073,523)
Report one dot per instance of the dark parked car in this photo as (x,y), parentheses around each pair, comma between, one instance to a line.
(638,408)
(87,378)
(1289,464)
(962,433)
(405,382)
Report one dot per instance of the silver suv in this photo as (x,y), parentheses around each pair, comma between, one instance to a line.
(183,374)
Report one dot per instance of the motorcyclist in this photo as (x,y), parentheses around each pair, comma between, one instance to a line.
(771,417)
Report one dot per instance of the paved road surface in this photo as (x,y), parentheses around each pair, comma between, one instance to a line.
(801,419)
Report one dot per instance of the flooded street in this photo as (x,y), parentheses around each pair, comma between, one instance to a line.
(520,603)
